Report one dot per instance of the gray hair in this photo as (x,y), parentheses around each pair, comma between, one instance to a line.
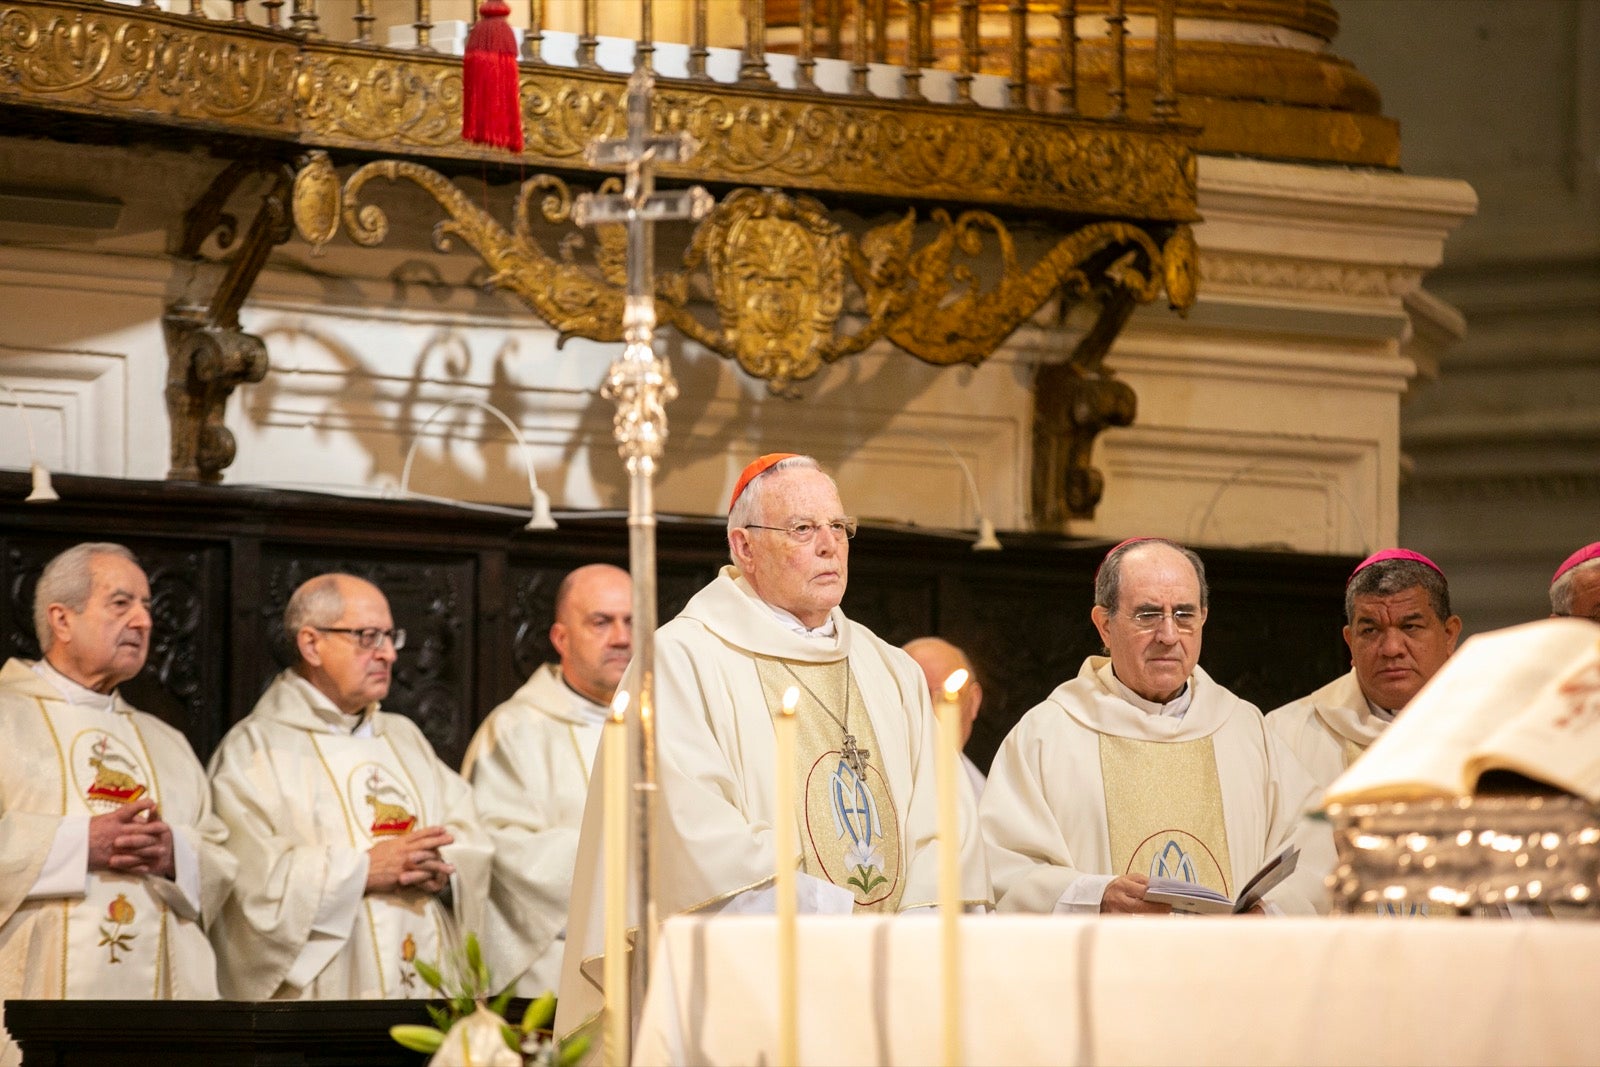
(1390,576)
(1108,579)
(68,580)
(318,602)
(747,508)
(1561,588)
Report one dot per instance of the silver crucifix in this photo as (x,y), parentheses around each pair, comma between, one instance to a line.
(641,385)
(856,757)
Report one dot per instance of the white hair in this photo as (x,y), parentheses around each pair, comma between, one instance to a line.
(747,508)
(1561,588)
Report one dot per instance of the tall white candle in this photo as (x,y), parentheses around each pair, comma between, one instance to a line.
(945,755)
(615,784)
(783,847)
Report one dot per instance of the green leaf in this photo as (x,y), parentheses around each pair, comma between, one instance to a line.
(440,1017)
(500,1003)
(540,1014)
(417,1038)
(475,963)
(429,974)
(513,1039)
(573,1050)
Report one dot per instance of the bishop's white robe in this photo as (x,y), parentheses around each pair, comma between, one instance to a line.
(304,799)
(1086,784)
(1328,729)
(529,768)
(69,932)
(717,665)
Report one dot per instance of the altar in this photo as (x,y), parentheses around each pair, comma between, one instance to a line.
(1085,991)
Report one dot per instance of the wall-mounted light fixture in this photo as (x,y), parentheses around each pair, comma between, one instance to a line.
(42,489)
(987,541)
(540,518)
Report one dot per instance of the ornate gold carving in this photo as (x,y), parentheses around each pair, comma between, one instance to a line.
(144,64)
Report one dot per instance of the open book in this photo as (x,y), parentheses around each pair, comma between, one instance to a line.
(1524,700)
(1187,896)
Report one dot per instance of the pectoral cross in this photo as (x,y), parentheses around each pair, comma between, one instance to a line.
(856,757)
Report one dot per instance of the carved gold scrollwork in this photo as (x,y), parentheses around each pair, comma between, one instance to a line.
(781,273)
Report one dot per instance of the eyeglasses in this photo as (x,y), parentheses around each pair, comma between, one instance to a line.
(1184,621)
(369,638)
(801,532)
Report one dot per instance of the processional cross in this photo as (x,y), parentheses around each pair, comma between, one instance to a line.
(640,383)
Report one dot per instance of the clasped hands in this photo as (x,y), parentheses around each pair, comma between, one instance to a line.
(410,861)
(131,840)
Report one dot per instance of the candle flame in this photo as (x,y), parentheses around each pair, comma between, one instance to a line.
(619,705)
(953,684)
(791,697)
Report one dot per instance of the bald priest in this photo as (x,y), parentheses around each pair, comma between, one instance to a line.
(867,809)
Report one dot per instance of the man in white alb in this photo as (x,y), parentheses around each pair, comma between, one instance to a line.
(359,851)
(529,768)
(867,809)
(112,860)
(1400,631)
(1142,765)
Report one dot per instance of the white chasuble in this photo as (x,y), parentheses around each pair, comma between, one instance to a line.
(849,828)
(100,934)
(379,800)
(1087,785)
(306,791)
(716,755)
(529,768)
(1328,729)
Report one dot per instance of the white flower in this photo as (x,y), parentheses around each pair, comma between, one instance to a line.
(862,854)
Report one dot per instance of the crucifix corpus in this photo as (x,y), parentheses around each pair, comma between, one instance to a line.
(640,383)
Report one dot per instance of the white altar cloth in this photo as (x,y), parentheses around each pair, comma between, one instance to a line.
(1064,990)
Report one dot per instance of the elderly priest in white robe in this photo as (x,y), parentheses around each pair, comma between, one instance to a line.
(359,851)
(529,767)
(867,813)
(1142,765)
(1400,631)
(112,859)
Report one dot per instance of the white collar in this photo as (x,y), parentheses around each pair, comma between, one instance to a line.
(336,721)
(1176,708)
(73,693)
(828,629)
(1382,713)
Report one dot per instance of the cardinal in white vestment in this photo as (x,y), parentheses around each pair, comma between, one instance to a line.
(111,861)
(867,804)
(359,851)
(1142,766)
(529,766)
(1400,631)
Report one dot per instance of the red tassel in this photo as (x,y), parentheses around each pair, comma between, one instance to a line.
(491,101)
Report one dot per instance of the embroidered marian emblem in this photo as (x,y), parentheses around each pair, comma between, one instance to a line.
(855,814)
(1173,862)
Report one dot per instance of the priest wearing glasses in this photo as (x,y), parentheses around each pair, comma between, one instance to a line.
(866,813)
(359,852)
(1142,765)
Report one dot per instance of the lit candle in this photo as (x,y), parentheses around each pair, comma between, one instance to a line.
(945,754)
(618,1021)
(783,848)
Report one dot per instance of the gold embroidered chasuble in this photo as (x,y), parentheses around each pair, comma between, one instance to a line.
(1081,787)
(849,829)
(716,756)
(134,937)
(1164,810)
(304,799)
